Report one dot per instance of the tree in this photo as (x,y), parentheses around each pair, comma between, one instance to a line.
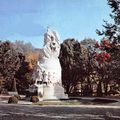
(107,68)
(28,65)
(77,65)
(102,66)
(71,62)
(111,33)
(9,62)
(88,42)
(89,65)
(15,70)
(112,30)
(13,86)
(23,47)
(25,73)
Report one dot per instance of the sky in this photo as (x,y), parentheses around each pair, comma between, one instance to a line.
(28,20)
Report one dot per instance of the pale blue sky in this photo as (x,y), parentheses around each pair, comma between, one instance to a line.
(28,19)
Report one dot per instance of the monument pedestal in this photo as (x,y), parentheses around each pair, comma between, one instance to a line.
(59,92)
(48,92)
(53,92)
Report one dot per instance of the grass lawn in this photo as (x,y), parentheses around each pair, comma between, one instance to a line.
(58,103)
(95,101)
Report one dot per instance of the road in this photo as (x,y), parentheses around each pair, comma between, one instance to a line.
(81,112)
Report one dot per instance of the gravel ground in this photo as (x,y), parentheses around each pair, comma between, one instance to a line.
(81,112)
(26,111)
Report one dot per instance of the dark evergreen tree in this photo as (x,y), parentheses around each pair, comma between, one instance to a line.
(70,59)
(112,30)
(77,66)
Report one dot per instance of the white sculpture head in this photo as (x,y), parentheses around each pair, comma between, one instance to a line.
(51,43)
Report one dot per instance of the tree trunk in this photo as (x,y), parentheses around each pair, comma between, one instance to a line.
(99,89)
(13,87)
(106,88)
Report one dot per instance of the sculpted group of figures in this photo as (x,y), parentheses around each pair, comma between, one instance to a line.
(44,77)
(49,69)
(48,78)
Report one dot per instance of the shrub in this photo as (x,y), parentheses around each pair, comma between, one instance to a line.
(13,100)
(34,99)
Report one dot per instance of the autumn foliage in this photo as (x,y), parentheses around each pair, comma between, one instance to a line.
(102,56)
(32,58)
(16,66)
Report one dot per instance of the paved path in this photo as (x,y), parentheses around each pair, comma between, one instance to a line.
(81,112)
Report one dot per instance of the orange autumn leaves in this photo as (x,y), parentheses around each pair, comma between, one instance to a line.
(32,59)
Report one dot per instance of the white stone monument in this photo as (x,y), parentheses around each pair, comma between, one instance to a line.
(49,70)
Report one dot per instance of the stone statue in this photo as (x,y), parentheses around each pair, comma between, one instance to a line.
(50,62)
(49,68)
(51,44)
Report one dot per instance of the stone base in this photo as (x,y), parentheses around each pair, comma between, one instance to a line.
(48,92)
(59,92)
(53,92)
